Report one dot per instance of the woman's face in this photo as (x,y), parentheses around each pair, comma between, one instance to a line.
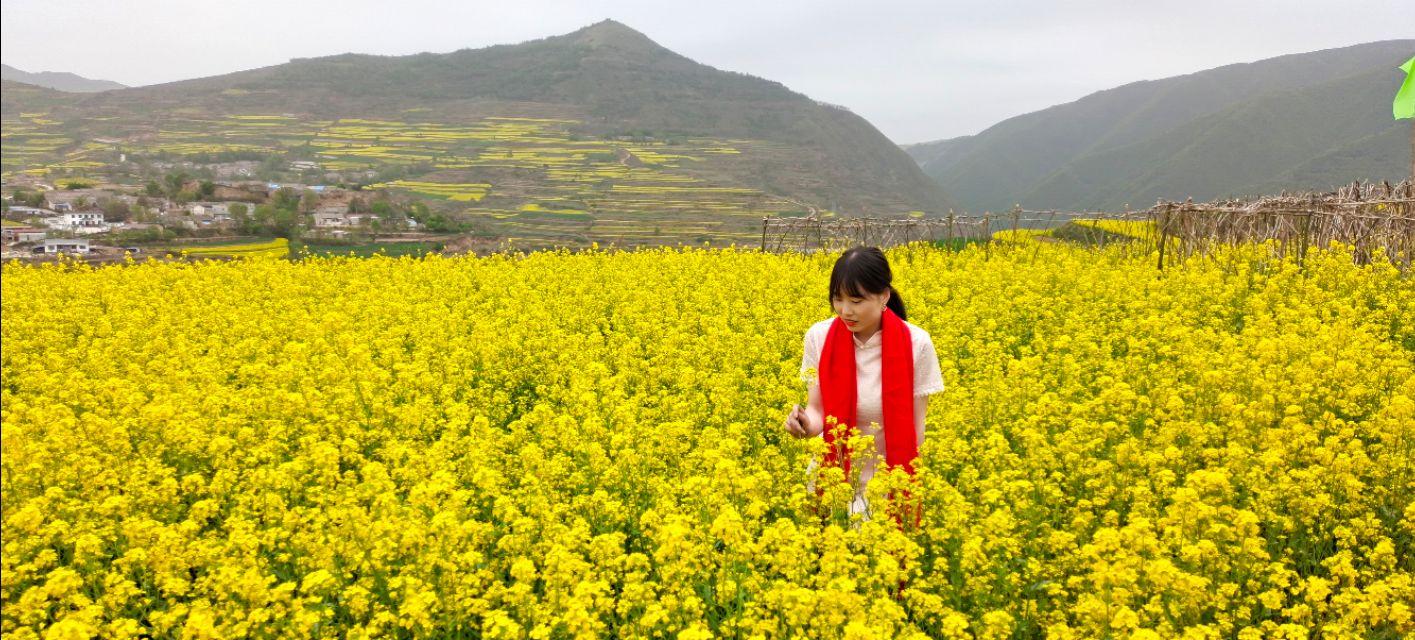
(861,313)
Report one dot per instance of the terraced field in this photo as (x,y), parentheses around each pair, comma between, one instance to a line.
(527,178)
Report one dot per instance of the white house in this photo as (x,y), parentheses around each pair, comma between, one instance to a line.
(334,214)
(83,218)
(23,234)
(66,245)
(82,222)
(323,219)
(220,211)
(362,218)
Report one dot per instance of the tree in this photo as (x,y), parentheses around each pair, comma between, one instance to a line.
(29,198)
(309,201)
(206,189)
(389,216)
(418,211)
(264,217)
(284,223)
(285,198)
(240,217)
(174,182)
(115,210)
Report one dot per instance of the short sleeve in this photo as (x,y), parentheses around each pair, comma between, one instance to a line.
(810,358)
(928,378)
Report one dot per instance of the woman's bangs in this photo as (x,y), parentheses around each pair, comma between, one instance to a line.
(847,288)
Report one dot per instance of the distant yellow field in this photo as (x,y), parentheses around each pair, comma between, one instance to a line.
(275,248)
(1141,229)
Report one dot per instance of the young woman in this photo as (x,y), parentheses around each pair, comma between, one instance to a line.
(874,370)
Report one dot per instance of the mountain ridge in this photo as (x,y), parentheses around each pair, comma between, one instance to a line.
(58,80)
(1067,143)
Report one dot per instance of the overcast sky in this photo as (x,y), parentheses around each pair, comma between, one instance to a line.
(917,70)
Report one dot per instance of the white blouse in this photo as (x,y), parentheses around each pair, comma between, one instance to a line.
(869,411)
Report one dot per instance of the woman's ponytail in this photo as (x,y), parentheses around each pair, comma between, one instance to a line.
(896,303)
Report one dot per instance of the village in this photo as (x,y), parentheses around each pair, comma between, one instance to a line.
(42,220)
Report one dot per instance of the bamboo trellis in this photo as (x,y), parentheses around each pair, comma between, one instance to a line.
(1368,216)
(812,233)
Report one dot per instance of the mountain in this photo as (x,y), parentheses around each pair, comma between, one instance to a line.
(602,87)
(57,80)
(1309,120)
(18,96)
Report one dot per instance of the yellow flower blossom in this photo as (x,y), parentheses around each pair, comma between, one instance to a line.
(588,445)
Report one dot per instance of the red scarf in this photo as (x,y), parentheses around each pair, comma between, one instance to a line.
(840,398)
(839,395)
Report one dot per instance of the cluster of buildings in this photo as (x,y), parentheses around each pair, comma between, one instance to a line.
(29,238)
(77,222)
(69,215)
(21,240)
(338,216)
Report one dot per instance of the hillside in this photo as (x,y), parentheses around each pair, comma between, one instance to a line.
(18,96)
(575,123)
(57,80)
(1308,120)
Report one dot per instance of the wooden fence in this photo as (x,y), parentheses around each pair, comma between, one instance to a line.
(1372,217)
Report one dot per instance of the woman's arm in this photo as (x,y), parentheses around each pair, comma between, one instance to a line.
(815,410)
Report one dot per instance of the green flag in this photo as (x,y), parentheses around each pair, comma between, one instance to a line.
(1404,105)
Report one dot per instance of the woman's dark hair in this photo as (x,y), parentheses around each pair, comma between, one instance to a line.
(862,270)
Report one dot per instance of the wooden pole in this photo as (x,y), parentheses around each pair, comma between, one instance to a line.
(987,236)
(1164,234)
(1306,238)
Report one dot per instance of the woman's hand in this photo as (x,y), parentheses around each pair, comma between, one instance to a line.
(798,423)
